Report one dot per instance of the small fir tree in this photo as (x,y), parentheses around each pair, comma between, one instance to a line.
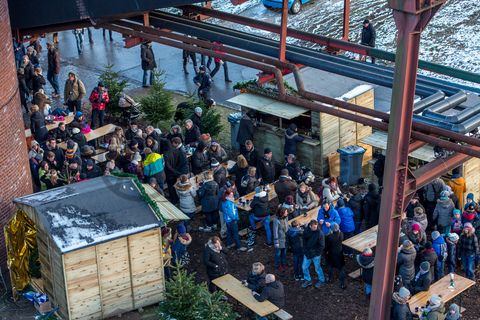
(115,86)
(158,105)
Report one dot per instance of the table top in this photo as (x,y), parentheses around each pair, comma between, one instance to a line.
(246,207)
(95,134)
(305,219)
(51,126)
(367,238)
(195,181)
(441,287)
(233,287)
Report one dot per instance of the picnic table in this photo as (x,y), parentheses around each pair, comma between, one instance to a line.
(233,287)
(367,238)
(243,203)
(195,181)
(305,219)
(443,289)
(95,134)
(51,126)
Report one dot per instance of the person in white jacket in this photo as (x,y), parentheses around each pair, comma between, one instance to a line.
(330,192)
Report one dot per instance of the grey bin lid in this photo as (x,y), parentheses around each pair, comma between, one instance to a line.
(351,150)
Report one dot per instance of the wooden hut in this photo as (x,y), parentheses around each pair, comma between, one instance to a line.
(99,246)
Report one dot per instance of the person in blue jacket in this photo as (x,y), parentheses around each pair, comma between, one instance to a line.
(230,216)
(326,216)
(347,225)
(440,247)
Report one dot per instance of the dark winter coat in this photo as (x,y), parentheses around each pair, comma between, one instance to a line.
(334,249)
(197,120)
(239,174)
(423,283)
(266,170)
(59,153)
(368,36)
(256,282)
(313,243)
(29,72)
(294,170)
(216,262)
(400,309)
(371,208)
(220,155)
(356,204)
(291,140)
(53,60)
(37,83)
(468,245)
(431,257)
(366,263)
(411,207)
(284,187)
(294,240)
(60,135)
(443,212)
(80,139)
(248,184)
(200,162)
(406,264)
(176,164)
(246,130)
(208,195)
(38,127)
(192,135)
(433,189)
(90,174)
(251,156)
(148,58)
(273,292)
(204,80)
(220,176)
(259,206)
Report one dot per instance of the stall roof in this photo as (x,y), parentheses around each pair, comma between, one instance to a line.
(267,105)
(378,139)
(168,211)
(90,212)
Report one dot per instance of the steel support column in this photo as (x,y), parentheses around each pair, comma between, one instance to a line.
(410,24)
(346,20)
(283,31)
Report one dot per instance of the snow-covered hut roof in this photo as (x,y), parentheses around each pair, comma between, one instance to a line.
(90,212)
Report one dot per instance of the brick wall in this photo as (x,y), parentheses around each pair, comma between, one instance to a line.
(14,168)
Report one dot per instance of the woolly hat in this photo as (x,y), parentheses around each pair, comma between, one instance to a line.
(340,203)
(267,150)
(214,163)
(89,163)
(435,300)
(181,228)
(215,143)
(367,252)
(428,245)
(468,225)
(78,114)
(166,231)
(404,293)
(470,196)
(198,110)
(425,266)
(100,84)
(70,152)
(366,21)
(418,211)
(444,195)
(415,227)
(75,130)
(292,126)
(335,227)
(258,190)
(407,244)
(457,211)
(453,237)
(435,235)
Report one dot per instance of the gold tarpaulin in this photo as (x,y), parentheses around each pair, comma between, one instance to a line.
(20,237)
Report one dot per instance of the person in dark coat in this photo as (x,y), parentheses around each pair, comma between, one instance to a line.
(176,164)
(273,292)
(412,205)
(200,161)
(51,145)
(192,133)
(291,139)
(256,278)
(19,51)
(79,137)
(293,167)
(265,167)
(246,130)
(148,62)
(250,153)
(422,279)
(38,80)
(368,35)
(28,71)
(366,261)
(356,204)
(196,118)
(285,186)
(313,246)
(62,134)
(204,83)
(371,206)
(186,55)
(429,255)
(334,254)
(259,212)
(406,262)
(90,170)
(468,250)
(53,70)
(23,89)
(37,125)
(219,173)
(208,196)
(239,170)
(400,308)
(294,241)
(379,167)
(215,261)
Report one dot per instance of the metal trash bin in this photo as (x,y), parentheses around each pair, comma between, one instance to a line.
(234,119)
(351,158)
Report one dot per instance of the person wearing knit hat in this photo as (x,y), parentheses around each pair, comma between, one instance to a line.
(423,278)
(291,139)
(420,217)
(469,215)
(458,186)
(452,239)
(440,248)
(366,261)
(334,254)
(457,224)
(217,152)
(468,249)
(406,262)
(259,212)
(400,308)
(181,241)
(443,213)
(429,255)
(417,236)
(214,163)
(453,312)
(435,308)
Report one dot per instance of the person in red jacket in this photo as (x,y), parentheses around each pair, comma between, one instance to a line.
(219,62)
(99,99)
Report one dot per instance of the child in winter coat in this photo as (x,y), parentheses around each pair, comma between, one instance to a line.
(256,278)
(181,240)
(294,239)
(230,216)
(470,201)
(469,215)
(457,224)
(280,228)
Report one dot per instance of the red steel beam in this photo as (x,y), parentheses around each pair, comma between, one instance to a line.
(283,31)
(410,26)
(346,20)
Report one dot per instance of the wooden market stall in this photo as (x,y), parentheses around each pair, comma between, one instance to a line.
(99,245)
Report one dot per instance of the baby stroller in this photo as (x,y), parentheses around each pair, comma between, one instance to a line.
(131,109)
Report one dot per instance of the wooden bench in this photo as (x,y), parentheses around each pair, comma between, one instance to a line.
(283,315)
(355,274)
(51,126)
(367,238)
(234,288)
(95,134)
(441,287)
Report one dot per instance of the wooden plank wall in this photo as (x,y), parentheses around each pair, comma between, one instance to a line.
(471,172)
(367,100)
(58,279)
(146,265)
